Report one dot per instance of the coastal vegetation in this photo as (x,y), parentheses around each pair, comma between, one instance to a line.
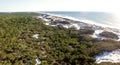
(54,45)
(110,35)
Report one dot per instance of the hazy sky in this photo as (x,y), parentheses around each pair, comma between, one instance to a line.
(60,5)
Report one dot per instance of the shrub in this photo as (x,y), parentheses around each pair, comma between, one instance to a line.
(110,35)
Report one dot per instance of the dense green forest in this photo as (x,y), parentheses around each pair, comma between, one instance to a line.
(55,45)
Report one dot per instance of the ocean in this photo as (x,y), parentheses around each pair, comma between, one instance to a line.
(100,18)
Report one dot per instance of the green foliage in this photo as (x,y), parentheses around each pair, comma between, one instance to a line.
(110,35)
(55,45)
(86,30)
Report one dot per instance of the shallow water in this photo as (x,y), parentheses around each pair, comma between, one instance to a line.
(102,18)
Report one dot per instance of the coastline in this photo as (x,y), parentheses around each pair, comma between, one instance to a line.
(68,22)
(81,20)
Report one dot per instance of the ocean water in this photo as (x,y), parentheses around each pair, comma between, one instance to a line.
(102,18)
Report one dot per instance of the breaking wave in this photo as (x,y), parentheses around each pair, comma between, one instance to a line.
(85,20)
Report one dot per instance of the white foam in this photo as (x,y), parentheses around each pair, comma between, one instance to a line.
(113,57)
(81,20)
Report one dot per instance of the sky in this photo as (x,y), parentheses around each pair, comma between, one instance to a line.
(59,5)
